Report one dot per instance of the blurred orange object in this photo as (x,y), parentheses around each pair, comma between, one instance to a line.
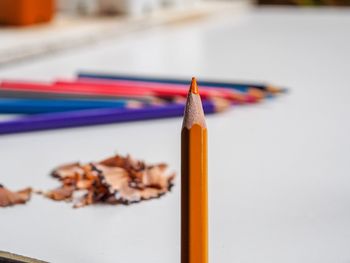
(25,12)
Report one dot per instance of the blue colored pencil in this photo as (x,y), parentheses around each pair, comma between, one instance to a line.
(243,87)
(34,106)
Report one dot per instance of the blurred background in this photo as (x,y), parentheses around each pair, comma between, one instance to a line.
(63,24)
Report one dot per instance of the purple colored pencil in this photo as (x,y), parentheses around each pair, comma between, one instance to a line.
(79,118)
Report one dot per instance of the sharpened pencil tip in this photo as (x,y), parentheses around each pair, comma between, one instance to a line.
(194,86)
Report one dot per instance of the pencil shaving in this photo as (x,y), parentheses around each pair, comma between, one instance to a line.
(10,198)
(116,180)
(61,193)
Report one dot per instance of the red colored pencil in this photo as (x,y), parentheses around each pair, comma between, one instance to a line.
(78,89)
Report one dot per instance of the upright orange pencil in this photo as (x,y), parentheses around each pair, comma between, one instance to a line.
(194,189)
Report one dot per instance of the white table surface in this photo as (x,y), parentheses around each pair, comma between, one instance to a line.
(278,172)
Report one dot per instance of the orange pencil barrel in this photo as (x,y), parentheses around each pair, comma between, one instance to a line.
(25,12)
(194,185)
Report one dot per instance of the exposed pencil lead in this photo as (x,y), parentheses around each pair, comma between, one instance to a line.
(194,86)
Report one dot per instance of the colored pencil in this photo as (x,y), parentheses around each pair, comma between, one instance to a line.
(29,94)
(100,116)
(78,89)
(194,186)
(34,106)
(40,90)
(203,83)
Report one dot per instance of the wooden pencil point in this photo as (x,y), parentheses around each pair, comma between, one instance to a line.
(194,86)
(193,109)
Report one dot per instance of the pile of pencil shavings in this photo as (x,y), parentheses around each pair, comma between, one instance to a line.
(116,180)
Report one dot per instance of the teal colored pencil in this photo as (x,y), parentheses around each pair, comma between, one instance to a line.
(34,106)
